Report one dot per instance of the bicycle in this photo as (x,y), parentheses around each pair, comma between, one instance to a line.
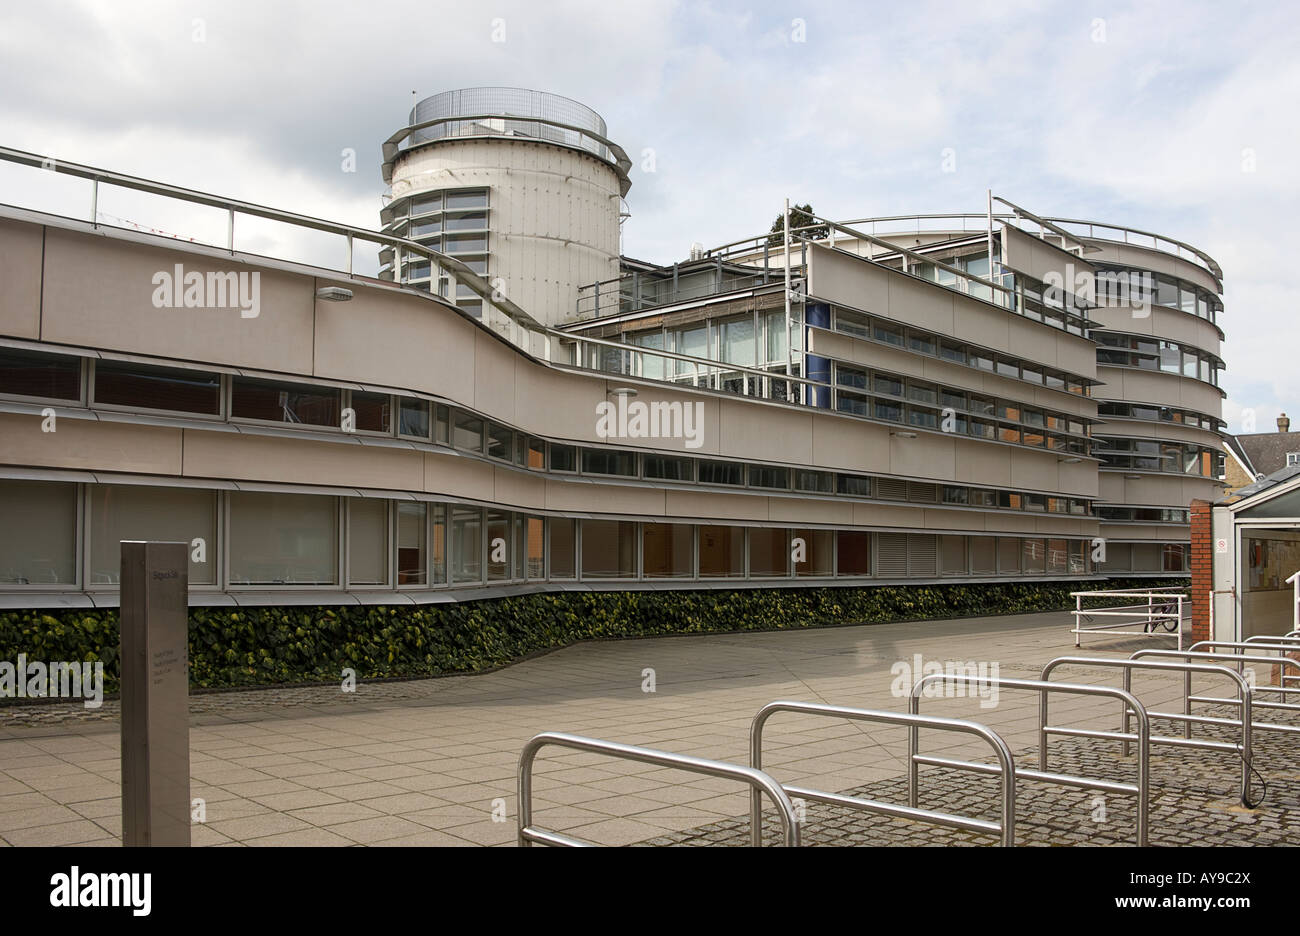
(1163,613)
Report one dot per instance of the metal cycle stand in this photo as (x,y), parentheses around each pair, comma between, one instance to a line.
(1227,660)
(1281,645)
(528,834)
(1244,700)
(1141,789)
(1006,764)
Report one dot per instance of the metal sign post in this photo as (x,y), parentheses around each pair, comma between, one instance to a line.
(155,694)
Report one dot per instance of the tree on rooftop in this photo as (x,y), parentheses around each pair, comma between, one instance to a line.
(800,216)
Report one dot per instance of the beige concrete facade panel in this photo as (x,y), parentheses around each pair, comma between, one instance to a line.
(607,498)
(930,456)
(518,488)
(983,325)
(1156,533)
(21,255)
(794,510)
(397,339)
(925,305)
(1145,258)
(985,464)
(761,432)
(848,281)
(300,461)
(1036,257)
(495,365)
(1160,322)
(884,515)
(850,445)
(938,519)
(457,477)
(1155,387)
(715,505)
(88,444)
(99,292)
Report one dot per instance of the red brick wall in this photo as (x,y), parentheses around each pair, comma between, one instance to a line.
(1202,559)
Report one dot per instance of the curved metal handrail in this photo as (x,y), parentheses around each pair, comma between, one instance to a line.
(752,776)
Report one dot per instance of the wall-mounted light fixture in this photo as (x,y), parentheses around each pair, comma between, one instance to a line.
(1072,460)
(628,392)
(902,434)
(334,293)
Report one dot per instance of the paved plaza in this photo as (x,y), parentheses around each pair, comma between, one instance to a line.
(432,762)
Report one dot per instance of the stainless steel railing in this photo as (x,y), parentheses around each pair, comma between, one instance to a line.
(1244,698)
(755,778)
(1239,660)
(1005,830)
(1140,789)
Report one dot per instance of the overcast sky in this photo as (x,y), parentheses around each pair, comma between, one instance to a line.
(1178,118)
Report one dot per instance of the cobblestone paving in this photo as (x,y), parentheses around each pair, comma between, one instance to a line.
(1194,801)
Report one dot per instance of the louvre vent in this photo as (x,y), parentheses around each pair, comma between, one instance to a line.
(922,493)
(891,559)
(891,490)
(922,554)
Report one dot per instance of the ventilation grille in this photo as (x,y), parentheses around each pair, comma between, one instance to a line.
(891,490)
(923,493)
(891,554)
(922,554)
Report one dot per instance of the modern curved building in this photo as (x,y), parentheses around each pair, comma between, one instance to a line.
(508,404)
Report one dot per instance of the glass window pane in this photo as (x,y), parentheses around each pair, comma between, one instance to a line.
(33,374)
(722,552)
(287,403)
(367,541)
(816,482)
(1034,553)
(562,547)
(414,418)
(477,198)
(769,552)
(608,462)
(165,388)
(466,544)
(564,457)
(1008,555)
(468,433)
(283,539)
(983,555)
(720,472)
(608,549)
(667,550)
(438,544)
(536,454)
(46,513)
(373,411)
(668,468)
(768,476)
(412,537)
(500,441)
(499,529)
(736,340)
(536,548)
(854,552)
(812,552)
(1058,556)
(124,512)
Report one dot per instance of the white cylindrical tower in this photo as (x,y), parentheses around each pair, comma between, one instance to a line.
(523,186)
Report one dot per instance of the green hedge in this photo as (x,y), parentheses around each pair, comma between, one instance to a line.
(275,645)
